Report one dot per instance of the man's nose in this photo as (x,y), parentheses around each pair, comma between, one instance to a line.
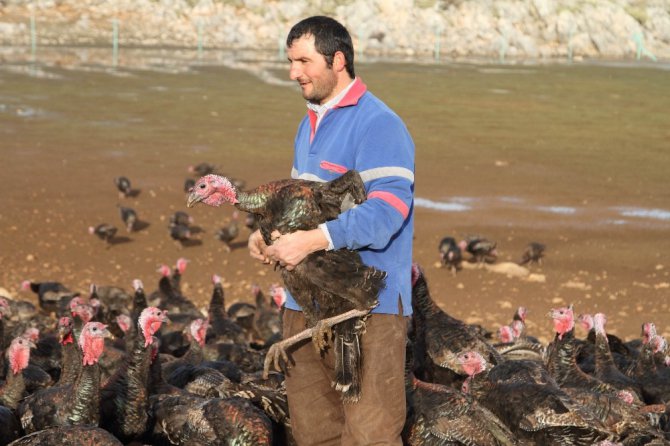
(294,72)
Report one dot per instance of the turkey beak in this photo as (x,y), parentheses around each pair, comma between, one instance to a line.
(192,199)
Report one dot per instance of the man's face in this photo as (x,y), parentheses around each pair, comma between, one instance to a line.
(310,70)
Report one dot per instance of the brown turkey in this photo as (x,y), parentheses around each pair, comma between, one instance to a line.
(450,254)
(229,232)
(654,377)
(71,355)
(222,327)
(169,296)
(530,403)
(103,231)
(50,295)
(123,185)
(326,283)
(606,370)
(129,217)
(481,249)
(5,310)
(533,253)
(18,355)
(267,321)
(562,355)
(615,408)
(189,420)
(69,436)
(10,426)
(125,397)
(75,404)
(438,337)
(440,415)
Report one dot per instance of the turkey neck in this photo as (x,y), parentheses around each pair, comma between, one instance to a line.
(83,406)
(175,280)
(165,287)
(421,299)
(562,365)
(561,361)
(12,392)
(603,354)
(134,406)
(253,201)
(71,364)
(139,304)
(644,365)
(194,355)
(479,384)
(217,311)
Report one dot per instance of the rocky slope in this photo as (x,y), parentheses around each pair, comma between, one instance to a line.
(523,29)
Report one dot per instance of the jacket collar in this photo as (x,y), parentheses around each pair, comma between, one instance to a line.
(357,90)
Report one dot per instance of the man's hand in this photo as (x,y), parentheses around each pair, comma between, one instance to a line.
(257,247)
(291,249)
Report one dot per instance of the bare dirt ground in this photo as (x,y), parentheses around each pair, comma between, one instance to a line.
(65,134)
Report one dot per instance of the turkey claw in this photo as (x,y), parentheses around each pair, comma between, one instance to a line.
(275,353)
(320,335)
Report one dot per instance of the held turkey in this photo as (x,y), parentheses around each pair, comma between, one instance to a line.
(325,284)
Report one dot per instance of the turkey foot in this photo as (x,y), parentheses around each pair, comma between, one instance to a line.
(278,350)
(321,332)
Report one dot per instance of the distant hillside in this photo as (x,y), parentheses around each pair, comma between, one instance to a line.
(537,29)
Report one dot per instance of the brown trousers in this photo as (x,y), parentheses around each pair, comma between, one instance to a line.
(318,416)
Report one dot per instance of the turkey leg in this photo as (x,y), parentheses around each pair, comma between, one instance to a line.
(278,350)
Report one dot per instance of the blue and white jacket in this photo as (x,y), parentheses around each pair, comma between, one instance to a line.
(362,133)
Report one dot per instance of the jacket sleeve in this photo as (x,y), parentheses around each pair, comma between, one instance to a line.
(385,160)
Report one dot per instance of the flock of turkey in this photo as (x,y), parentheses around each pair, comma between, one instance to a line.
(149,367)
(180,225)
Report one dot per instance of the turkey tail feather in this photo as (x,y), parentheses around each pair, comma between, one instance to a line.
(348,359)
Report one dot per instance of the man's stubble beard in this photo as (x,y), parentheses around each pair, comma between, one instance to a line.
(322,90)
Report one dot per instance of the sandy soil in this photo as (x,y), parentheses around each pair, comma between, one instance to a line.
(57,181)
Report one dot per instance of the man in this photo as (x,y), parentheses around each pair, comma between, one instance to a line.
(345,128)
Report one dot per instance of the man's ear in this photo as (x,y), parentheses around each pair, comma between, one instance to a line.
(339,62)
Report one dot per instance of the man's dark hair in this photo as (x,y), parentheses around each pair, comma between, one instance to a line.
(330,36)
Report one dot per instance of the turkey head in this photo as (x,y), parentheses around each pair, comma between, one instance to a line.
(564,320)
(18,354)
(5,309)
(471,362)
(92,341)
(213,190)
(198,331)
(150,322)
(65,327)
